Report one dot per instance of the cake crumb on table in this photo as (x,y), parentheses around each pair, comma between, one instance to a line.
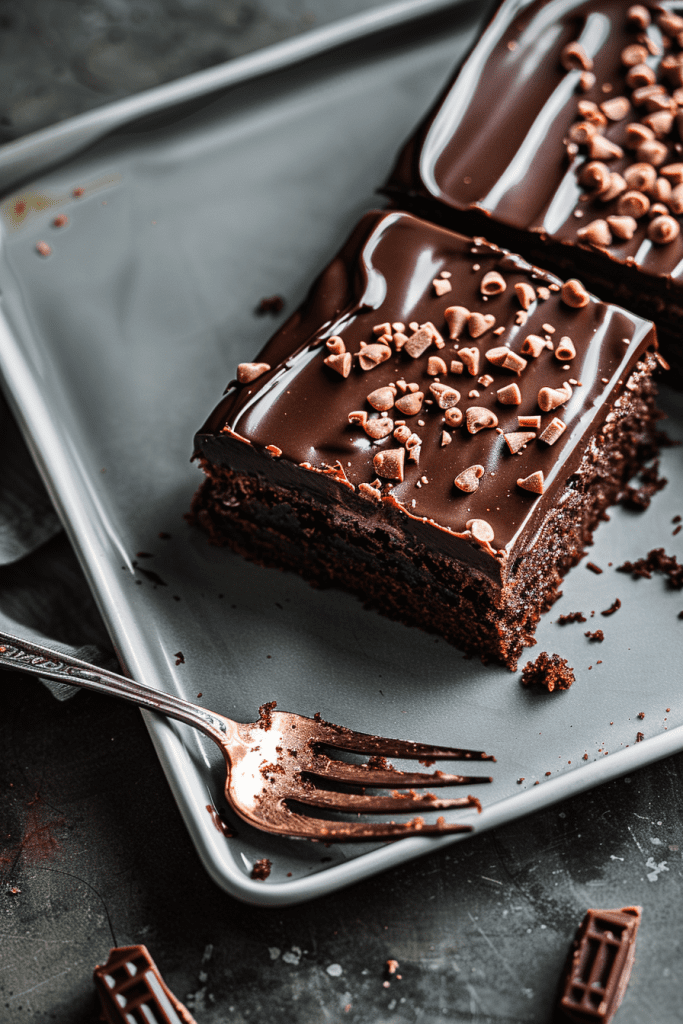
(549,670)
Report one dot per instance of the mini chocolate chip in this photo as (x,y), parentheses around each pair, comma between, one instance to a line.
(479,418)
(652,152)
(456,318)
(640,75)
(590,111)
(661,122)
(638,16)
(480,323)
(573,56)
(441,286)
(525,292)
(600,148)
(445,396)
(553,431)
(565,349)
(623,227)
(402,433)
(582,132)
(336,345)
(676,200)
(470,358)
(595,175)
(640,177)
(480,530)
(372,355)
(485,380)
(663,230)
(551,398)
(411,403)
(674,172)
(247,372)
(636,134)
(382,399)
(381,329)
(456,366)
(436,366)
(445,438)
(615,186)
(370,492)
(492,283)
(574,294)
(596,233)
(378,428)
(468,480)
(389,464)
(616,108)
(535,482)
(633,204)
(510,395)
(633,54)
(532,346)
(358,416)
(453,417)
(534,422)
(518,439)
(418,342)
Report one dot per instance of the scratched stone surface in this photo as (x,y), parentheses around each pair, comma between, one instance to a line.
(92,849)
(94,854)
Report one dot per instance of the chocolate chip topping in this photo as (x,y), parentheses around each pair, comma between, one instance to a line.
(316,417)
(574,294)
(468,480)
(534,482)
(247,372)
(389,464)
(518,439)
(479,418)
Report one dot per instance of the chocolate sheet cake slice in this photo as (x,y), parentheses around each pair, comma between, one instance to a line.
(438,429)
(562,138)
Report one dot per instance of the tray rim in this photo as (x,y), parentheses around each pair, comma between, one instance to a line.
(76,505)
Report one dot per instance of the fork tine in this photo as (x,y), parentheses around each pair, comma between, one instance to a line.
(362,775)
(365,743)
(354,803)
(300,827)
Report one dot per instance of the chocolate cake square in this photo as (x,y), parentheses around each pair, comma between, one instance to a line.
(560,138)
(438,429)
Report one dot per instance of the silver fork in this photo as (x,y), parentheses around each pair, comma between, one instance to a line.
(277,768)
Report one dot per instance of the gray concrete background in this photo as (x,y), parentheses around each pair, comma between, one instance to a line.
(92,849)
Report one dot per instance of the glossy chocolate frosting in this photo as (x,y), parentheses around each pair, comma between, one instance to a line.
(385,273)
(495,142)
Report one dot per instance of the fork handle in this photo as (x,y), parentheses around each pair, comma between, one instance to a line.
(16,653)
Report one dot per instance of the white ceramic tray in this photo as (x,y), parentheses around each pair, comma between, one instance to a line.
(229,186)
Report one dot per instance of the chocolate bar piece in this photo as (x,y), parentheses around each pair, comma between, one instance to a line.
(561,138)
(132,991)
(438,429)
(600,965)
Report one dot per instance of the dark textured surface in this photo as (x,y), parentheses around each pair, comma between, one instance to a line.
(90,835)
(94,844)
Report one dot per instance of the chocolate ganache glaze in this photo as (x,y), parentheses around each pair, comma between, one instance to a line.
(502,147)
(395,273)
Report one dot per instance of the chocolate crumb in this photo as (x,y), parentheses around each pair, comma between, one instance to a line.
(565,620)
(639,498)
(612,608)
(265,713)
(273,304)
(594,568)
(640,736)
(656,561)
(548,670)
(43,248)
(261,869)
(179,658)
(598,636)
(641,715)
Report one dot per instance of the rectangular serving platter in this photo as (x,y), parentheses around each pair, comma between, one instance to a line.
(185,207)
